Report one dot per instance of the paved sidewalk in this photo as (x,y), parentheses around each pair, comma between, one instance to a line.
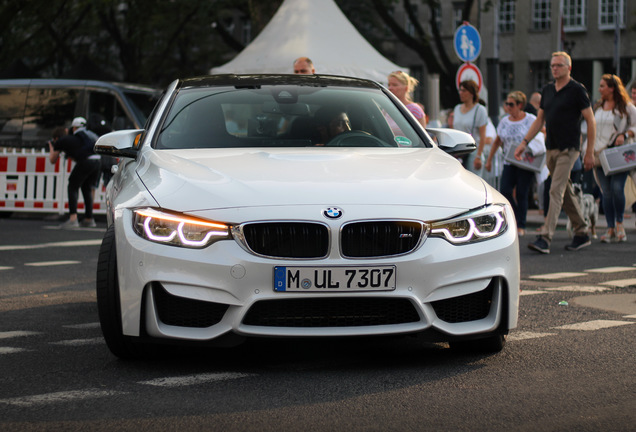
(534,219)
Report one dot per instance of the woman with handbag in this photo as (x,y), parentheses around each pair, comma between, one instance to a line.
(615,125)
(471,117)
(515,180)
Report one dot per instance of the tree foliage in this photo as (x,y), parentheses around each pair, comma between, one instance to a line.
(155,41)
(426,44)
(145,41)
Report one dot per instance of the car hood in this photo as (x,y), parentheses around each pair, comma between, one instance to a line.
(204,179)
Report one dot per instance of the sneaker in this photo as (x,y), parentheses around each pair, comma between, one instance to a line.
(88,223)
(579,242)
(70,224)
(609,237)
(621,236)
(540,245)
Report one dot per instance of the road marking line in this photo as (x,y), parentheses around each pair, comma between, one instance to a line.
(582,288)
(51,263)
(6,268)
(10,350)
(53,244)
(79,342)
(594,325)
(560,275)
(68,396)
(518,336)
(12,334)
(610,269)
(531,292)
(193,379)
(83,326)
(622,283)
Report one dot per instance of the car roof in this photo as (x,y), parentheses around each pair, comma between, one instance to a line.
(280,79)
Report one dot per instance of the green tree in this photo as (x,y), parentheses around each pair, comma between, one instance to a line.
(144,41)
(428,46)
(156,41)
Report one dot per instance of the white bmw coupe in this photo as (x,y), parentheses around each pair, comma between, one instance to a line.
(299,206)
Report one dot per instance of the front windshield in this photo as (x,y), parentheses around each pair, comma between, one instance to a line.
(285,116)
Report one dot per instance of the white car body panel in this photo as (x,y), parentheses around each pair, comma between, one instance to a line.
(219,177)
(200,179)
(240,186)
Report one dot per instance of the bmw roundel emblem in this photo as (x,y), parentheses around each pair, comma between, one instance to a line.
(332,213)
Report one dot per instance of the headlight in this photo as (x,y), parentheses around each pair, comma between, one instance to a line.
(178,230)
(482,224)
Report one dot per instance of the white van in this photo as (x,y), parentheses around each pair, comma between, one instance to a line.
(31,108)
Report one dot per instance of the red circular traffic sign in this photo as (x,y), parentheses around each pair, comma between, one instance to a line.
(469,71)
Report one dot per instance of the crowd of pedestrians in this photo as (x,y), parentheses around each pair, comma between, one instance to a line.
(551,122)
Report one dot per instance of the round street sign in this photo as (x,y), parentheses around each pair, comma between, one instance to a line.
(467,42)
(469,71)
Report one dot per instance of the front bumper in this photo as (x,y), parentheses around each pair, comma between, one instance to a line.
(203,294)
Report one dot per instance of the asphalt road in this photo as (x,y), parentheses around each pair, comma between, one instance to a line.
(568,367)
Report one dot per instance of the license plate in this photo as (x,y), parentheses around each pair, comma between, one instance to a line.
(328,279)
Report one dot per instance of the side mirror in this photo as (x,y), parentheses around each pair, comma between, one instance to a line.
(452,141)
(123,143)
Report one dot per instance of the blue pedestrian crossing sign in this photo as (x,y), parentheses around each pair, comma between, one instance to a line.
(467,43)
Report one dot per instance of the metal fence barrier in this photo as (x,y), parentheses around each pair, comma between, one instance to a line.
(30,183)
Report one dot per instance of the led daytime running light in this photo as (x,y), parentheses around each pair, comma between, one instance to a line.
(474,233)
(163,216)
(180,229)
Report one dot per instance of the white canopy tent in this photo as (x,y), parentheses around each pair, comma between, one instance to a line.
(316,29)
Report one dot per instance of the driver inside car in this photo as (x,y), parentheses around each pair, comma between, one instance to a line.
(331,122)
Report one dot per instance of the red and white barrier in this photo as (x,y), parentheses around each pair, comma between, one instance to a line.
(30,183)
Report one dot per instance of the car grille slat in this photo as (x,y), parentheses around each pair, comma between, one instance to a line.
(183,312)
(288,239)
(470,307)
(331,312)
(379,238)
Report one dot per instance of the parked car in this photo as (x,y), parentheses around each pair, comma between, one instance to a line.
(31,108)
(299,206)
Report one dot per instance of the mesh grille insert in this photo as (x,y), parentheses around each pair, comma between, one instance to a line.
(184,312)
(288,239)
(331,312)
(470,307)
(379,238)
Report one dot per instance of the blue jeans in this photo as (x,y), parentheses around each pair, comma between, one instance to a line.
(613,190)
(514,177)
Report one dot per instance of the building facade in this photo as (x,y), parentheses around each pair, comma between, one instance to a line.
(518,37)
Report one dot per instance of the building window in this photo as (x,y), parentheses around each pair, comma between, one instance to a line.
(507,16)
(408,25)
(457,14)
(506,73)
(574,15)
(609,11)
(437,13)
(541,14)
(541,74)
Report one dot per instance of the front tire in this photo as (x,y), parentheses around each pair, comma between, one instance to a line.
(108,304)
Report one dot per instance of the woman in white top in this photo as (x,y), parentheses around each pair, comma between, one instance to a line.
(510,132)
(472,118)
(615,125)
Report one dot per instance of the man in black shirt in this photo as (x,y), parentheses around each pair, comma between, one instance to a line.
(84,175)
(563,103)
